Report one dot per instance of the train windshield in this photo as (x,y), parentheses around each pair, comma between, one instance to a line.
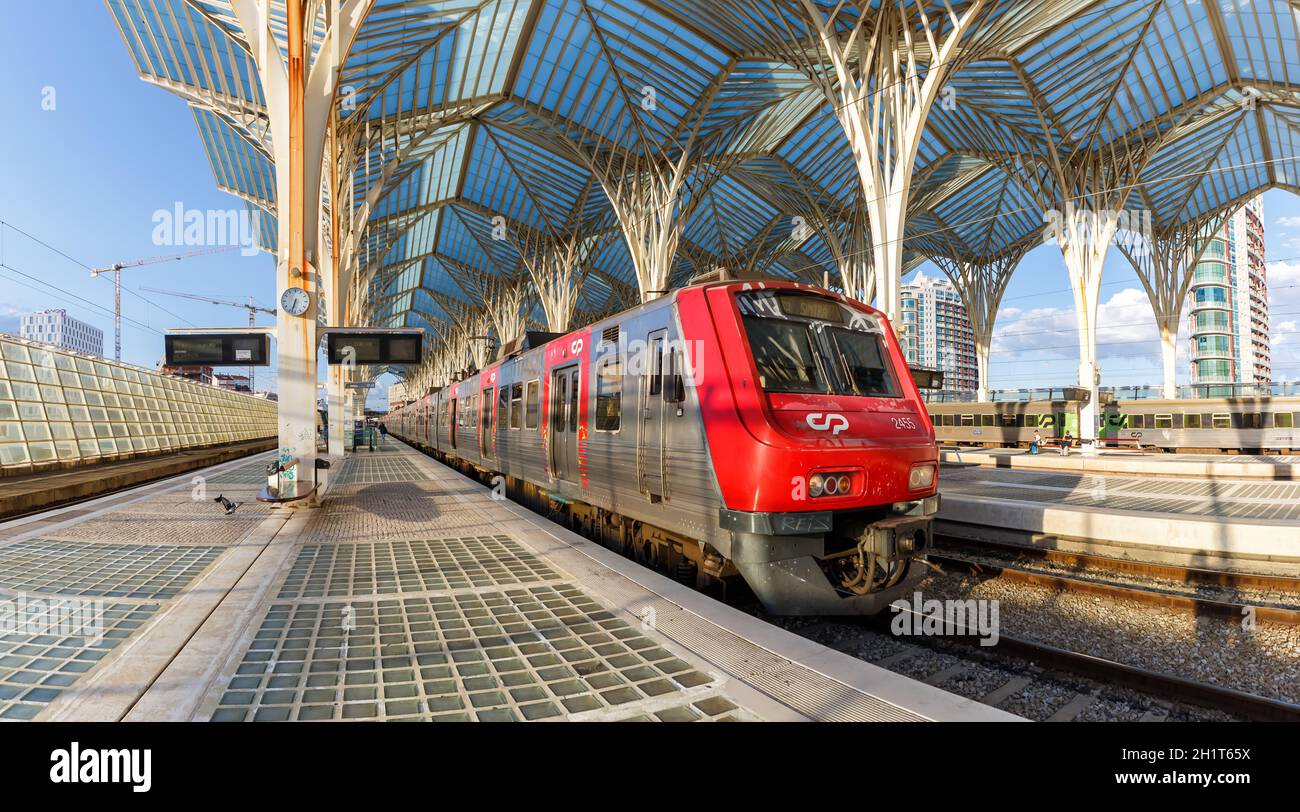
(808,344)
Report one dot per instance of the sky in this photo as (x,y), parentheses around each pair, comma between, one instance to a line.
(91,153)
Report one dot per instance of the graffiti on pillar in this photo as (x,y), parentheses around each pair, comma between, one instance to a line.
(290,474)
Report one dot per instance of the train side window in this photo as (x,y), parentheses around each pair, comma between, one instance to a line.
(1164,421)
(950,420)
(1009,421)
(503,407)
(532,409)
(517,406)
(1137,421)
(609,394)
(1282,420)
(1221,421)
(1191,421)
(986,420)
(968,420)
(1178,421)
(657,367)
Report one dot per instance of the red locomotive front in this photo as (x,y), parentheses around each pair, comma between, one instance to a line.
(824,452)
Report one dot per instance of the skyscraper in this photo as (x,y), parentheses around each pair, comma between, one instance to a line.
(935,332)
(58,328)
(1228,304)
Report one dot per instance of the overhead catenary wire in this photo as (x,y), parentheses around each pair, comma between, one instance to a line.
(4,224)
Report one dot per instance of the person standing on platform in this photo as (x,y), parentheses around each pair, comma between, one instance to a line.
(1036,443)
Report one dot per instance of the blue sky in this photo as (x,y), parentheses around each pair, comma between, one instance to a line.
(87,176)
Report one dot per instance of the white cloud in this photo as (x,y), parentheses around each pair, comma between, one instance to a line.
(1284,308)
(1126,328)
(1289,222)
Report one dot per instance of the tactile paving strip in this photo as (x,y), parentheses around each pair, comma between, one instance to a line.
(36,668)
(385,567)
(250,474)
(142,571)
(152,529)
(516,654)
(373,470)
(203,506)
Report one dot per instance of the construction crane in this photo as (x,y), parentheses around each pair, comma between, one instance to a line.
(251,307)
(116,270)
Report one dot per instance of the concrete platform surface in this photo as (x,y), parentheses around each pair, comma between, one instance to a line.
(1209,518)
(1131,462)
(409,594)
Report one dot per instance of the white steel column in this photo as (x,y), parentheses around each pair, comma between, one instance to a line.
(299,97)
(337,376)
(1165,263)
(850,245)
(981,285)
(1084,235)
(882,96)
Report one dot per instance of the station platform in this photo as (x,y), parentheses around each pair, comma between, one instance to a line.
(409,594)
(1131,462)
(1231,523)
(31,492)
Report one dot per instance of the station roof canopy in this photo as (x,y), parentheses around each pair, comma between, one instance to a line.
(455,113)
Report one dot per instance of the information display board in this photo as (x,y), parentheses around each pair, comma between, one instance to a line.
(218,349)
(373,346)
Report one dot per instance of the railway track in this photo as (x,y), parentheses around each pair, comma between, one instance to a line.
(1196,576)
(1112,673)
(1153,597)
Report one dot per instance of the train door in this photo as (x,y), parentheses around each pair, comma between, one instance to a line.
(485,423)
(564,422)
(650,439)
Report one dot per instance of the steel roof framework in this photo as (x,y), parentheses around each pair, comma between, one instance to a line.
(605,150)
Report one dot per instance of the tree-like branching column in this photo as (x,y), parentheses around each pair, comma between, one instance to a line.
(1165,262)
(506,302)
(558,267)
(1082,173)
(981,284)
(843,228)
(882,69)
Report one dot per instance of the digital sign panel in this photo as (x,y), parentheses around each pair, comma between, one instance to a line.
(373,347)
(928,378)
(218,349)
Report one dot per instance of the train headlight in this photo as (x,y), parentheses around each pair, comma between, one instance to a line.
(921,477)
(830,484)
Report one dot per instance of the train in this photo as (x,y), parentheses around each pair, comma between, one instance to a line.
(1236,425)
(762,435)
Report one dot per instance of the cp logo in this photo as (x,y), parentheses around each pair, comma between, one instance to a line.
(576,346)
(834,423)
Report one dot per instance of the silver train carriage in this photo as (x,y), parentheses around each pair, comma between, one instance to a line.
(1244,425)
